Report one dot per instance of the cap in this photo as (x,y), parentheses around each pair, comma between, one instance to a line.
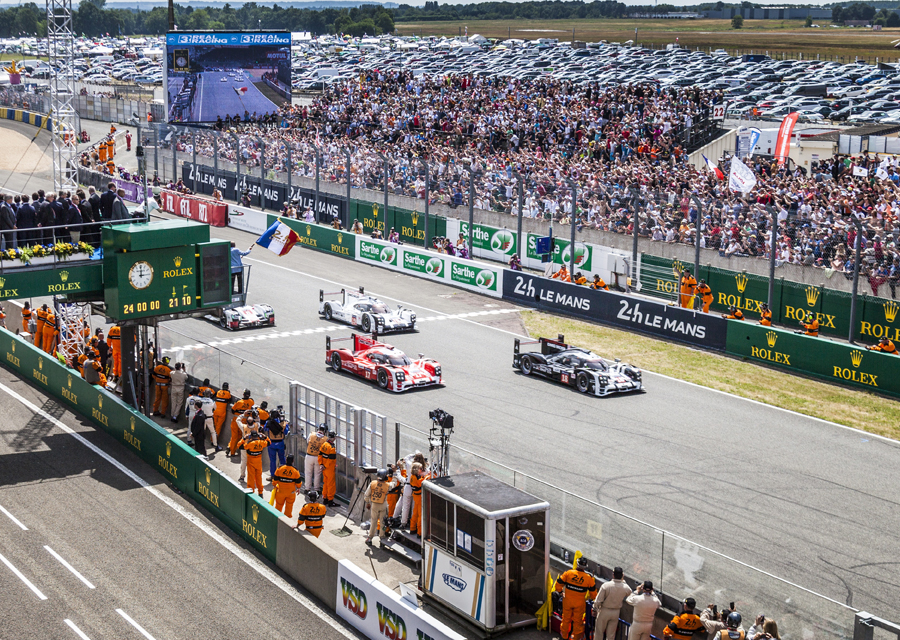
(648,585)
(690,603)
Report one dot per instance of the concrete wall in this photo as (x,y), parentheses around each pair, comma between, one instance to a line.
(308,561)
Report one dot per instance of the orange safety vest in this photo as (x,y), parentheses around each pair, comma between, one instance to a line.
(255,446)
(286,479)
(312,515)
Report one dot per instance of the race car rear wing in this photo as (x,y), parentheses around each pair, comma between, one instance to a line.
(342,293)
(360,341)
(548,347)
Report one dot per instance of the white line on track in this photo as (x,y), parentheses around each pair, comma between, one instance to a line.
(63,562)
(13,518)
(247,558)
(81,634)
(134,624)
(731,395)
(22,578)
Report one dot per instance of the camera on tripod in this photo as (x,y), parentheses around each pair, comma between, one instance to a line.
(441,418)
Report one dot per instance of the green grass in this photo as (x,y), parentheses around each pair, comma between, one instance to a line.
(858,409)
(760,36)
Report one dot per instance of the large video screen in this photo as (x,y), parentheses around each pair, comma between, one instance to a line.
(212,75)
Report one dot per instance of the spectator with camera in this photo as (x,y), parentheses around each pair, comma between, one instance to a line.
(644,602)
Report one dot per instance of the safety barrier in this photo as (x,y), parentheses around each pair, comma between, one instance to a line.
(100,181)
(837,362)
(199,209)
(876,317)
(39,120)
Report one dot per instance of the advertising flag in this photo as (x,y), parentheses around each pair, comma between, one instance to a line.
(783,143)
(741,177)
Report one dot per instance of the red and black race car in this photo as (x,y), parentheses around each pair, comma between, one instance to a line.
(389,367)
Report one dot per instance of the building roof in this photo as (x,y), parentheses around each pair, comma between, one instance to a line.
(488,494)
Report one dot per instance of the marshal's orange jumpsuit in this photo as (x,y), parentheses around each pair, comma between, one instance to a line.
(49,332)
(26,318)
(705,294)
(575,586)
(685,626)
(101,152)
(237,409)
(312,514)
(287,482)
(223,401)
(162,376)
(328,459)
(687,290)
(394,495)
(114,340)
(254,448)
(766,318)
(415,520)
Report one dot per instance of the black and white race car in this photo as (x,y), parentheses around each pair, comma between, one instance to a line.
(251,315)
(576,367)
(366,312)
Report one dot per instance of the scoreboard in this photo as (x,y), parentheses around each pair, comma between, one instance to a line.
(144,275)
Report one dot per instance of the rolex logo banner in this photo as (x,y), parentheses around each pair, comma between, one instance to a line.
(835,362)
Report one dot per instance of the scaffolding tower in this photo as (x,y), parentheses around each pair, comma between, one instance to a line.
(61,51)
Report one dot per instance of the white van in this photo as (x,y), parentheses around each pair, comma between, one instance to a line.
(324,74)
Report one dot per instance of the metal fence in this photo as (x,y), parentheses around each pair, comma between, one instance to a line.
(89,107)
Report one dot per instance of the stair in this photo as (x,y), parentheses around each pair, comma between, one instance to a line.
(405,546)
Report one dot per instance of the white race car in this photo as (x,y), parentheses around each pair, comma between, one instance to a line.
(251,315)
(366,312)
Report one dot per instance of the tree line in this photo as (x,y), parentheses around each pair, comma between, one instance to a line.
(93,19)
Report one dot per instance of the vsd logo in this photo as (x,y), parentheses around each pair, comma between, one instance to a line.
(354,599)
(390,624)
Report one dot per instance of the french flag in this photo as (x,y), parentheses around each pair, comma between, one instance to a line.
(714,168)
(279,238)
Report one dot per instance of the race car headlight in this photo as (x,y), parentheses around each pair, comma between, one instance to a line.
(401,376)
(604,380)
(412,317)
(437,371)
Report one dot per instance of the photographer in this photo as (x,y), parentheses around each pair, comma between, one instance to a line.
(645,603)
(376,502)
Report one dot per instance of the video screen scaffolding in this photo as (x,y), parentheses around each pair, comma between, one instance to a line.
(212,75)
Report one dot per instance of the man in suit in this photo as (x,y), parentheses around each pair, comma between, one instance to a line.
(46,217)
(106,202)
(7,223)
(119,210)
(26,219)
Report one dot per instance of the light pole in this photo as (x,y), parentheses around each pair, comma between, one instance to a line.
(856,252)
(635,203)
(237,165)
(172,131)
(318,162)
(471,210)
(574,188)
(289,165)
(427,197)
(384,163)
(262,173)
(142,166)
(216,159)
(349,155)
(773,249)
(697,239)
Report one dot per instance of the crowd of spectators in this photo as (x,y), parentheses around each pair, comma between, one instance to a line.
(624,148)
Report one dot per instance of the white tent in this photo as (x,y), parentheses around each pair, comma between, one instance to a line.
(100,51)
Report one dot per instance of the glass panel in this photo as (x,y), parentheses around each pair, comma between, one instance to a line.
(470,537)
(526,568)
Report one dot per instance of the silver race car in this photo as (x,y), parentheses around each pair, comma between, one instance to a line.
(366,312)
(251,315)
(576,367)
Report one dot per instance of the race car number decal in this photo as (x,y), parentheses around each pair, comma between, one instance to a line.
(564,378)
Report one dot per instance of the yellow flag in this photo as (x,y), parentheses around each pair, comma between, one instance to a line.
(543,614)
(272,498)
(578,554)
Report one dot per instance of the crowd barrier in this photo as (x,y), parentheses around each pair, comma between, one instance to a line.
(100,181)
(39,120)
(833,361)
(199,209)
(876,317)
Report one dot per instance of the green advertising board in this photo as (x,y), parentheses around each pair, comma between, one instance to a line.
(375,252)
(421,262)
(219,494)
(469,274)
(321,238)
(833,361)
(876,317)
(409,224)
(83,280)
(259,525)
(583,252)
(499,241)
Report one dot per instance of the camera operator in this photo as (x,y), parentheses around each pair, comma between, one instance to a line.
(645,603)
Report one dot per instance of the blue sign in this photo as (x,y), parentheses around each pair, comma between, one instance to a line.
(455,582)
(228,39)
(542,245)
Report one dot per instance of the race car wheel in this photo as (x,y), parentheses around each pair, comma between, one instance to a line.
(583,382)
(527,366)
(367,323)
(382,378)
(328,314)
(222,322)
(336,361)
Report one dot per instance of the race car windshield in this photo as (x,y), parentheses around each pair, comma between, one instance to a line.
(398,360)
(597,365)
(380,308)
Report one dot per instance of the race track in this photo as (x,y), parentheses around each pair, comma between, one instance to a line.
(803,499)
(106,546)
(215,98)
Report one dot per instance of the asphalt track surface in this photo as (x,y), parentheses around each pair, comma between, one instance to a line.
(214,98)
(806,500)
(106,546)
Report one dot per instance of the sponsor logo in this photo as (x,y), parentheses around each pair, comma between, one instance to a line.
(796,313)
(632,313)
(770,354)
(879,330)
(812,296)
(178,272)
(482,278)
(177,261)
(250,529)
(167,466)
(390,625)
(64,276)
(98,415)
(523,540)
(38,374)
(503,241)
(741,280)
(13,360)
(422,263)
(421,635)
(455,582)
(67,391)
(205,491)
(63,285)
(854,375)
(677,268)
(745,304)
(581,254)
(354,599)
(890,309)
(208,476)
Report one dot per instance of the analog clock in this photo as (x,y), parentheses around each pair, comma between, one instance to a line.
(181,62)
(140,275)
